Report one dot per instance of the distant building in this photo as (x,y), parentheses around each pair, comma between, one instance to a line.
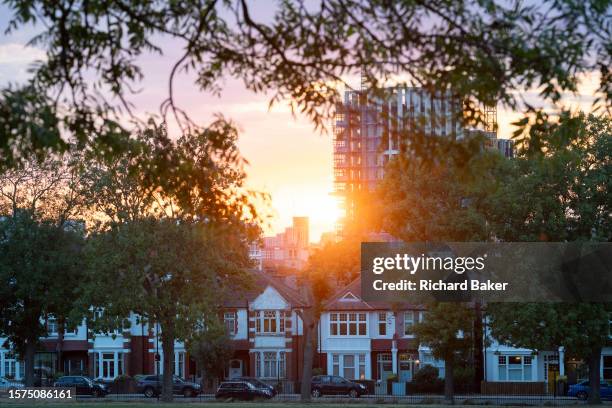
(288,249)
(366,135)
(367,132)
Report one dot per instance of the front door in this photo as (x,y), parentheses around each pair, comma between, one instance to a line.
(235,369)
(406,367)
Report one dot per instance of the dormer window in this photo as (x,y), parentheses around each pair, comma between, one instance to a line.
(51,326)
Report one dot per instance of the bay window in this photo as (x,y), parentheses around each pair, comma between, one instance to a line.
(514,368)
(270,364)
(349,366)
(108,364)
(270,322)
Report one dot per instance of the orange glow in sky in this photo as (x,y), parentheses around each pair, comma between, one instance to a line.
(288,158)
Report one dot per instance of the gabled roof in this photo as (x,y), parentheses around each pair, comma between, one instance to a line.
(240,298)
(349,298)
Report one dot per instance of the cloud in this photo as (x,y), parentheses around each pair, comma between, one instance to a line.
(15,59)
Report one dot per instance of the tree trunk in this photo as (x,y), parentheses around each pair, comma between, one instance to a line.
(30,351)
(167,336)
(59,347)
(309,325)
(594,377)
(449,386)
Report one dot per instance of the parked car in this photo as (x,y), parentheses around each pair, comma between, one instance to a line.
(83,385)
(257,383)
(241,390)
(7,385)
(583,389)
(334,385)
(151,386)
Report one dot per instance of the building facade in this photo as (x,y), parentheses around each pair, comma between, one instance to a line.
(356,339)
(367,135)
(372,340)
(289,249)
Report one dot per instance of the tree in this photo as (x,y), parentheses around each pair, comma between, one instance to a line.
(440,191)
(175,233)
(564,175)
(42,196)
(486,52)
(581,328)
(334,264)
(211,348)
(447,330)
(37,259)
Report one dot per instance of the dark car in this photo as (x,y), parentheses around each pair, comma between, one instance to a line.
(151,386)
(334,385)
(241,390)
(83,385)
(583,389)
(257,383)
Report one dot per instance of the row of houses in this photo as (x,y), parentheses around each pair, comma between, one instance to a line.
(355,339)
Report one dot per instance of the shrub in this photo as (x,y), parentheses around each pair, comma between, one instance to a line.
(426,374)
(318,371)
(426,381)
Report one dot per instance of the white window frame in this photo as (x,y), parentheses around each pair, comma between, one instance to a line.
(230,319)
(409,323)
(179,364)
(358,368)
(108,368)
(416,316)
(51,326)
(382,323)
(342,322)
(11,365)
(503,365)
(265,319)
(271,364)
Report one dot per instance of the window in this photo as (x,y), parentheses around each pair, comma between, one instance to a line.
(179,365)
(13,368)
(95,365)
(350,366)
(51,326)
(270,322)
(514,368)
(336,364)
(120,358)
(607,368)
(352,324)
(231,323)
(362,365)
(271,364)
(108,365)
(281,364)
(409,323)
(382,324)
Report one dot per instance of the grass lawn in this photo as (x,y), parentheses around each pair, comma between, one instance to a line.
(279,404)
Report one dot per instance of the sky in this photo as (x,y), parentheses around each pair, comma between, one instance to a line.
(287,158)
